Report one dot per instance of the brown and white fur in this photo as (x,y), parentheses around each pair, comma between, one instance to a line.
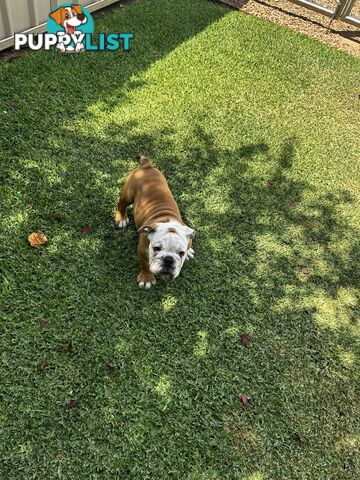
(69,18)
(165,242)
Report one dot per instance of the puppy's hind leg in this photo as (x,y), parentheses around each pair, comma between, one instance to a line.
(126,199)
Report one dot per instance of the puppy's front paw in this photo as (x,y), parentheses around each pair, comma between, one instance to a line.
(190,254)
(146,280)
(122,222)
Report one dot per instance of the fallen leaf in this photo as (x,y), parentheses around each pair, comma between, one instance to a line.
(43,322)
(292,205)
(110,367)
(86,230)
(30,206)
(269,183)
(298,438)
(58,216)
(244,399)
(304,270)
(72,404)
(69,347)
(42,365)
(90,331)
(244,340)
(36,239)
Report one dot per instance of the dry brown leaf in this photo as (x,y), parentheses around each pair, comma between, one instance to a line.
(244,340)
(72,404)
(36,239)
(110,367)
(244,399)
(298,437)
(304,269)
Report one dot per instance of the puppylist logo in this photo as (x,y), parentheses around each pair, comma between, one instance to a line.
(70,28)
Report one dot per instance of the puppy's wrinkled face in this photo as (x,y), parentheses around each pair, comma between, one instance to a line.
(168,245)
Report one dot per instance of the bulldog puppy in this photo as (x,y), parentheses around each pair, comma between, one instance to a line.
(165,242)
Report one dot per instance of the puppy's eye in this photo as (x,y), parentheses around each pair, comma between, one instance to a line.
(181,254)
(67,15)
(157,249)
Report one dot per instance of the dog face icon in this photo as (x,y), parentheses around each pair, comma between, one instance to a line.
(69,17)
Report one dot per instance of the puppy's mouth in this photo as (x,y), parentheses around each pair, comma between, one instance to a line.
(166,274)
(164,267)
(70,29)
(70,25)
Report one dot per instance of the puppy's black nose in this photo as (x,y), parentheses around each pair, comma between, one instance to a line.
(80,16)
(168,261)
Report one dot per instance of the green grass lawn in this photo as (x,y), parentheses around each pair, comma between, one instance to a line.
(257,130)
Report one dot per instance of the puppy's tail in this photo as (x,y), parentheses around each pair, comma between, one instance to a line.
(144,162)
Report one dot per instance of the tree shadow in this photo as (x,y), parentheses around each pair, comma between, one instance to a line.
(65,85)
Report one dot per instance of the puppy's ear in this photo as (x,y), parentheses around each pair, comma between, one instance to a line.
(190,232)
(77,8)
(147,229)
(57,15)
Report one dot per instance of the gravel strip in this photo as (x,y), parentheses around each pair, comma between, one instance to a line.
(342,36)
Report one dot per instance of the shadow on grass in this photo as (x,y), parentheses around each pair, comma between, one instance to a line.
(64,85)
